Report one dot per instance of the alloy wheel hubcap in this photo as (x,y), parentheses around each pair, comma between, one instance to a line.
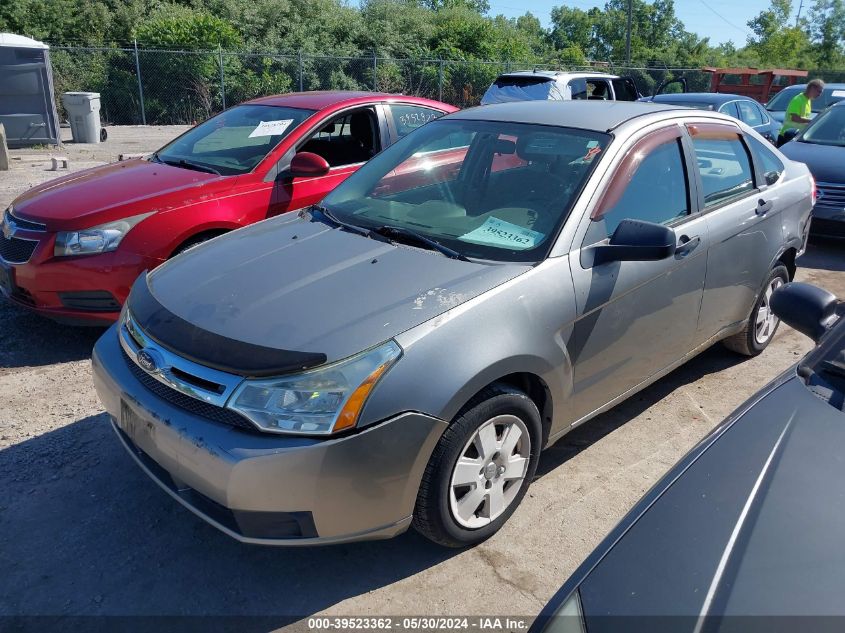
(490,471)
(766,321)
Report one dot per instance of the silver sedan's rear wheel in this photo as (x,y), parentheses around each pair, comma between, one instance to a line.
(766,321)
(480,469)
(762,323)
(490,471)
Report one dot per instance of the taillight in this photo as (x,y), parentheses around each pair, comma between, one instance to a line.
(813,190)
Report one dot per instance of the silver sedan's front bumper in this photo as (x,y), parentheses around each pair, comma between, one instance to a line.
(269,489)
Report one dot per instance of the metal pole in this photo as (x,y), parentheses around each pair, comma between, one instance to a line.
(140,85)
(440,82)
(301,73)
(375,72)
(628,36)
(222,82)
(798,15)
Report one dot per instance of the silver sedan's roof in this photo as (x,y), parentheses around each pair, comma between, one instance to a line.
(588,115)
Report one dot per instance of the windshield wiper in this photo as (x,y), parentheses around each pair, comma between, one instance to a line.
(331,218)
(397,231)
(188,165)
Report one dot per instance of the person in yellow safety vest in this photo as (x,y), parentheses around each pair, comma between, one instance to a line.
(799,110)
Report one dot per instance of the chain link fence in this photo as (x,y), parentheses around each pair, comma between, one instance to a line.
(163,87)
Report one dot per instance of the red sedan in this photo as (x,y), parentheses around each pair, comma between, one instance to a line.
(71,248)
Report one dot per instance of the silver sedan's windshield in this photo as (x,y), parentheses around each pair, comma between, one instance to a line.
(487,190)
(234,141)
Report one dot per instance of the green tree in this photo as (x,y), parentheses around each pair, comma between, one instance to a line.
(775,42)
(479,6)
(574,30)
(827,23)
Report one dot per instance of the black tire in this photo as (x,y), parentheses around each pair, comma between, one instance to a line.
(746,342)
(194,241)
(433,517)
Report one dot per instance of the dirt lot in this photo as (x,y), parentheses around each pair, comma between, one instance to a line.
(84,532)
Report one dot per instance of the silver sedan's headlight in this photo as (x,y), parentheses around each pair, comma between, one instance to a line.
(98,239)
(317,402)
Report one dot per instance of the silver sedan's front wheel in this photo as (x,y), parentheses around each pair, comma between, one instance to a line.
(480,469)
(490,471)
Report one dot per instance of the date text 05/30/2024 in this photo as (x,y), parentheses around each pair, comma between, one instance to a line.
(488,624)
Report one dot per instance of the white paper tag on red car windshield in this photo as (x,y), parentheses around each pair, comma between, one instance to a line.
(496,232)
(271,128)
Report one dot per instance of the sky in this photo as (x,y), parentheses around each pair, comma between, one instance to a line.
(720,20)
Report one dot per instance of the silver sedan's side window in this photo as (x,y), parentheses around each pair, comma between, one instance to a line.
(655,190)
(772,165)
(723,162)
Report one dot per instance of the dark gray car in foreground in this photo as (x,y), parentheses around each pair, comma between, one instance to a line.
(821,146)
(748,523)
(402,353)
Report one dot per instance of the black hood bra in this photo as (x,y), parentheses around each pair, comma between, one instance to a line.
(210,349)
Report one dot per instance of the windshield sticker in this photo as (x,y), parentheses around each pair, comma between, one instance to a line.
(839,94)
(271,128)
(495,232)
(591,154)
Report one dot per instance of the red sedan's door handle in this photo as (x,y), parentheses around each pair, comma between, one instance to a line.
(686,245)
(763,206)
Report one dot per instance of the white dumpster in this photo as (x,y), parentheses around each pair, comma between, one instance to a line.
(83,111)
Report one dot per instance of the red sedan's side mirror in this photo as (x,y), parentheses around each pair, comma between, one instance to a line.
(308,165)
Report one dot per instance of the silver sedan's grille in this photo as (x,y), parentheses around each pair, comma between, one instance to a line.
(195,388)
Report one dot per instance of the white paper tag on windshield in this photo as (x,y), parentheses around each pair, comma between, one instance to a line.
(496,232)
(839,94)
(271,128)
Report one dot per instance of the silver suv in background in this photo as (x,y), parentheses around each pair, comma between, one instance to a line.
(400,354)
(550,85)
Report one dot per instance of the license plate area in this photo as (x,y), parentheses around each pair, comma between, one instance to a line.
(130,422)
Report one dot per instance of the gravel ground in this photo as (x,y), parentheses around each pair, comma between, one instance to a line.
(85,533)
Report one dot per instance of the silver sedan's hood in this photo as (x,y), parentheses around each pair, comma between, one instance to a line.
(293,284)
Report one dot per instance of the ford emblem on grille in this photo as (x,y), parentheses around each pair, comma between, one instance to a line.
(147,361)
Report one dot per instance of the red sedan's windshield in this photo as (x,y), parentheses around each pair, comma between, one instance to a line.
(234,141)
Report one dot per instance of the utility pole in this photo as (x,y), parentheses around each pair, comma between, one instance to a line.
(798,15)
(628,35)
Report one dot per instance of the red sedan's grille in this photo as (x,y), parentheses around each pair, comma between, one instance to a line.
(16,250)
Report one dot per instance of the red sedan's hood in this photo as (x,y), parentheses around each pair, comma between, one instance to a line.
(111,192)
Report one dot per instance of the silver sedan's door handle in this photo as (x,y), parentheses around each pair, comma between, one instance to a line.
(763,206)
(686,245)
